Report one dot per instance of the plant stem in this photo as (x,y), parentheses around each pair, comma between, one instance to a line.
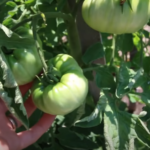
(74,41)
(135,93)
(101,40)
(75,9)
(45,68)
(122,43)
(114,50)
(47,15)
(92,68)
(73,37)
(21,23)
(22,15)
(142,51)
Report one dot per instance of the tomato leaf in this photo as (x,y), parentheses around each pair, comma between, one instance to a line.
(10,93)
(67,137)
(125,42)
(89,75)
(3,1)
(139,145)
(128,79)
(121,128)
(29,3)
(13,40)
(6,8)
(105,80)
(145,95)
(146,118)
(93,52)
(134,98)
(95,118)
(34,146)
(54,147)
(136,78)
(137,40)
(75,115)
(61,4)
(146,67)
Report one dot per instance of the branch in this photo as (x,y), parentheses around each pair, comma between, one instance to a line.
(47,15)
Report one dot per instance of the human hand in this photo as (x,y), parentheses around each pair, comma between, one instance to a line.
(9,139)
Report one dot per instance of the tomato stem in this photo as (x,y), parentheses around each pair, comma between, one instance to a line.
(22,16)
(75,9)
(101,40)
(92,68)
(74,41)
(73,37)
(50,76)
(142,50)
(45,68)
(39,16)
(21,23)
(114,49)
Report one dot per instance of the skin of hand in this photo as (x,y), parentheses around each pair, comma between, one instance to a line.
(9,139)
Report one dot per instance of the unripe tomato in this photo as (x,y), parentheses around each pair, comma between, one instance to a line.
(110,16)
(69,93)
(25,63)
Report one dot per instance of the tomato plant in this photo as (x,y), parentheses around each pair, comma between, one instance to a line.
(97,81)
(69,93)
(110,17)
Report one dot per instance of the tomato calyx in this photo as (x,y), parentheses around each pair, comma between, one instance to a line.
(124,1)
(52,76)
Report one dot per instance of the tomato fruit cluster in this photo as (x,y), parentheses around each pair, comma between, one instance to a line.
(110,16)
(67,94)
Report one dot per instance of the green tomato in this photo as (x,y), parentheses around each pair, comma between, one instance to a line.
(67,94)
(24,63)
(110,16)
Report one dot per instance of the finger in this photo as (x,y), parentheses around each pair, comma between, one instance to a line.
(32,135)
(24,88)
(30,108)
(12,123)
(29,105)
(3,108)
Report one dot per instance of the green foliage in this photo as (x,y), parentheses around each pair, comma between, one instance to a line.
(12,40)
(98,124)
(92,53)
(125,128)
(10,93)
(128,79)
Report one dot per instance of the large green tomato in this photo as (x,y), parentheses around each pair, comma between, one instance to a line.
(24,63)
(66,95)
(110,16)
